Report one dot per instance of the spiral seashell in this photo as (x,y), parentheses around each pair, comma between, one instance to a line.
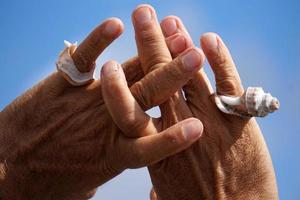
(254,102)
(259,103)
(66,66)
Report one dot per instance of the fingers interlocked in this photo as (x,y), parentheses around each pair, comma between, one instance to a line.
(125,104)
(133,122)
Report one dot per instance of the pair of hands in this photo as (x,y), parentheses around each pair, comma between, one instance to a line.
(60,141)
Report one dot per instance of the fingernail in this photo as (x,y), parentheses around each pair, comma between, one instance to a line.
(169,26)
(192,130)
(178,44)
(109,68)
(112,28)
(143,15)
(210,40)
(191,59)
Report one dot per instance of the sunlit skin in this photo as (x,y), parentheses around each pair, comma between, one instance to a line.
(61,142)
(231,160)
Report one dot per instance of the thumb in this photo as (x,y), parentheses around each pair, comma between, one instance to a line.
(153,148)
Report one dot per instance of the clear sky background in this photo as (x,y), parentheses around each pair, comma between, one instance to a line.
(263,35)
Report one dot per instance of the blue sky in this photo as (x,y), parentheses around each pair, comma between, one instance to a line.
(263,37)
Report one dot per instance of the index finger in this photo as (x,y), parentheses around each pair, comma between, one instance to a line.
(93,45)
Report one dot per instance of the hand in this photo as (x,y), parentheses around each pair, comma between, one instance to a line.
(59,142)
(231,160)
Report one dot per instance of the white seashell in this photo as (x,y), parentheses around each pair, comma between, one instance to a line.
(254,102)
(66,66)
(259,103)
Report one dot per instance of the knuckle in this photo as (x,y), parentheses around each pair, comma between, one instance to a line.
(152,45)
(82,60)
(148,36)
(133,125)
(221,59)
(227,86)
(175,72)
(153,89)
(142,97)
(227,80)
(156,60)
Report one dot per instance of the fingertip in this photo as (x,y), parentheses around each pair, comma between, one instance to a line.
(172,24)
(192,59)
(192,129)
(110,68)
(93,45)
(143,14)
(209,41)
(113,27)
(169,26)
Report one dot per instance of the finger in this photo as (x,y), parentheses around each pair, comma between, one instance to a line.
(153,53)
(176,35)
(159,85)
(198,89)
(227,78)
(153,195)
(152,49)
(123,108)
(171,25)
(87,52)
(153,148)
(177,43)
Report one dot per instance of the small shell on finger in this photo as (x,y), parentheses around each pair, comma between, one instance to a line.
(66,66)
(254,102)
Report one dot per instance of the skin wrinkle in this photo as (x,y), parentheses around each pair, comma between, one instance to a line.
(227,153)
(224,152)
(155,64)
(143,101)
(244,164)
(221,150)
(34,141)
(54,103)
(84,107)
